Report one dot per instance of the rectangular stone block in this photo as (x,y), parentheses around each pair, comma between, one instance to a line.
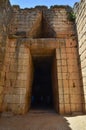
(61,108)
(59,63)
(66,98)
(76,99)
(67,108)
(18,99)
(22,76)
(65,76)
(69,50)
(64,62)
(59,69)
(8,98)
(64,56)
(61,98)
(63,50)
(11,76)
(58,54)
(21,84)
(60,83)
(64,69)
(59,75)
(60,91)
(20,91)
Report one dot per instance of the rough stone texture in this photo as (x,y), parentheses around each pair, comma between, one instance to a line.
(69,86)
(25,23)
(18,77)
(35,34)
(37,23)
(5,15)
(80,11)
(18,73)
(57,19)
(55,84)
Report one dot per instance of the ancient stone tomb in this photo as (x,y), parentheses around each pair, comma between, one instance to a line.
(41,62)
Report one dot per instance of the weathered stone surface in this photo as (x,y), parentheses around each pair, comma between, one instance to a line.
(80,11)
(5,16)
(35,34)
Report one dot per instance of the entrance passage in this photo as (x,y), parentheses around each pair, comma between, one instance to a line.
(42,95)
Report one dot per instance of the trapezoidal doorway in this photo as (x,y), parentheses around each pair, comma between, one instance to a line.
(44,90)
(42,94)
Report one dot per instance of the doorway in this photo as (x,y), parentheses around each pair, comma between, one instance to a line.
(42,93)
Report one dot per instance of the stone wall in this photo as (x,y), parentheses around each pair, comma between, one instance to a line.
(25,22)
(38,23)
(68,74)
(5,16)
(80,11)
(59,23)
(39,33)
(18,71)
(55,84)
(18,74)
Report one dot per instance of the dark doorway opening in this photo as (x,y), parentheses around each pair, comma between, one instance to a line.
(42,95)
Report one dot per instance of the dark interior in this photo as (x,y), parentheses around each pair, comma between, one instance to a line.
(42,84)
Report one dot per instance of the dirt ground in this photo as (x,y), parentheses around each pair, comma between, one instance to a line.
(42,120)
